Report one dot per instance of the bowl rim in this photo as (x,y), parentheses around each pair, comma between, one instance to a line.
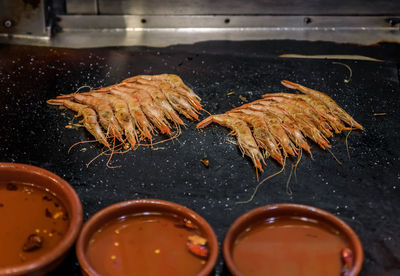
(235,229)
(113,211)
(75,220)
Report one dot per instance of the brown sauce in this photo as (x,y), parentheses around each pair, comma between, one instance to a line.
(289,246)
(144,244)
(33,221)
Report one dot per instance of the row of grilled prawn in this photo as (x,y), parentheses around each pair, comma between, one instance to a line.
(137,108)
(279,123)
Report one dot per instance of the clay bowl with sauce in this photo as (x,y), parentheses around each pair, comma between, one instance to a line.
(147,237)
(41,219)
(291,239)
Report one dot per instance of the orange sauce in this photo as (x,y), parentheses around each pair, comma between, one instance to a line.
(144,244)
(33,221)
(289,246)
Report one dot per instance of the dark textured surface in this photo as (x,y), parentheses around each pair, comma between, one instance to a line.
(364,191)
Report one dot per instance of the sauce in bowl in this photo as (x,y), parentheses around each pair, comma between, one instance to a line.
(289,246)
(33,222)
(149,243)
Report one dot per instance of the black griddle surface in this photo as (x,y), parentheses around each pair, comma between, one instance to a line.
(363,191)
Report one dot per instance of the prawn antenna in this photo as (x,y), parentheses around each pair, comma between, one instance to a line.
(84,86)
(110,157)
(288,190)
(347,141)
(175,136)
(297,163)
(348,68)
(337,160)
(259,184)
(80,142)
(97,156)
(206,111)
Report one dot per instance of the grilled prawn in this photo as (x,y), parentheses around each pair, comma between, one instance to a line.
(135,109)
(279,123)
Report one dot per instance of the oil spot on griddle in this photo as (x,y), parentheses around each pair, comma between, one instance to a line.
(33,3)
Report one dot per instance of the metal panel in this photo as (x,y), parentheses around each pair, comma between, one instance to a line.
(272,7)
(167,37)
(167,30)
(23,18)
(81,6)
(158,31)
(136,22)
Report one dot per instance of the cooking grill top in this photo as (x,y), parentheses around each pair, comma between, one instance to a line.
(363,191)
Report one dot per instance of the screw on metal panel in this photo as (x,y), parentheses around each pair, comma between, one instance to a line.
(143,20)
(7,23)
(307,20)
(393,21)
(227,20)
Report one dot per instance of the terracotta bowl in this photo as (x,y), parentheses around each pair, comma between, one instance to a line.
(141,206)
(290,210)
(66,194)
